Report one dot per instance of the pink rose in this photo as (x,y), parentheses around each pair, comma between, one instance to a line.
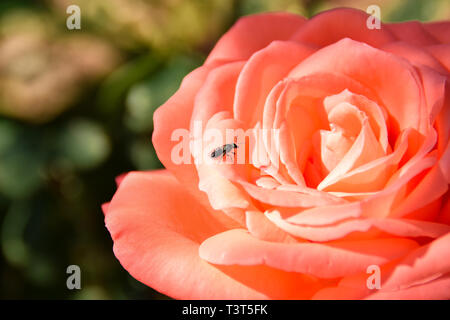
(356,183)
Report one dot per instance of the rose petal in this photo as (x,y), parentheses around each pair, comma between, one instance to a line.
(393,79)
(371,176)
(377,205)
(364,150)
(377,116)
(397,227)
(333,25)
(439,29)
(261,72)
(444,215)
(120,178)
(415,54)
(252,33)
(156,228)
(217,92)
(173,115)
(427,262)
(262,228)
(442,53)
(287,198)
(435,290)
(324,261)
(429,189)
(412,32)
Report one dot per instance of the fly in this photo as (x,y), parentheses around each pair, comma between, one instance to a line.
(224,150)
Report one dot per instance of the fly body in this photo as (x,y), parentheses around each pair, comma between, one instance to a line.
(224,150)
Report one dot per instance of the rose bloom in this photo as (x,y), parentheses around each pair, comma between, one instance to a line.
(358,206)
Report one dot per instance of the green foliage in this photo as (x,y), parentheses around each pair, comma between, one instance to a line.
(82,144)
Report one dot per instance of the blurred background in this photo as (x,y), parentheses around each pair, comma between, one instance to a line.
(76,110)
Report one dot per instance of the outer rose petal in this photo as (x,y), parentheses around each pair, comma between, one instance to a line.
(239,247)
(412,32)
(173,115)
(422,274)
(334,25)
(415,54)
(156,228)
(440,30)
(442,53)
(438,289)
(423,265)
(252,33)
(217,92)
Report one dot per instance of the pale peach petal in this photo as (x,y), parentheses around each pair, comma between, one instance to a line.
(221,192)
(267,182)
(285,198)
(376,114)
(378,205)
(396,83)
(259,157)
(330,147)
(397,227)
(270,136)
(260,227)
(373,175)
(364,150)
(288,154)
(346,117)
(299,99)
